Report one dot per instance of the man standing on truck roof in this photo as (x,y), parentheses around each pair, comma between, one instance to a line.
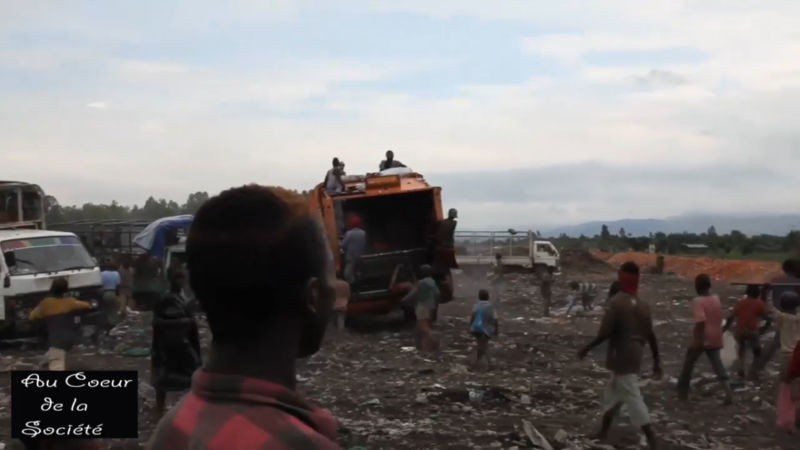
(353,244)
(390,162)
(335,185)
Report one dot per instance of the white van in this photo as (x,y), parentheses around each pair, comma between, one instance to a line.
(32,259)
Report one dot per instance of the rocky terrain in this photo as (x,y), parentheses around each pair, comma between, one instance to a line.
(388,396)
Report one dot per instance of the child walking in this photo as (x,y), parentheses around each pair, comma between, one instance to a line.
(483,325)
(424,298)
(747,314)
(63,330)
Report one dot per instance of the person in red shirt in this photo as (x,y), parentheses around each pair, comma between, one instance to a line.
(706,338)
(263,273)
(748,314)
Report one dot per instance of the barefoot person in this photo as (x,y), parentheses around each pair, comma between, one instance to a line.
(264,312)
(546,289)
(627,325)
(483,326)
(424,298)
(747,314)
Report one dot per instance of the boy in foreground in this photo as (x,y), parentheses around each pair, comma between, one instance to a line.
(627,325)
(264,312)
(483,325)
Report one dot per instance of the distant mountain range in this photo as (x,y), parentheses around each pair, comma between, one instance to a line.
(750,225)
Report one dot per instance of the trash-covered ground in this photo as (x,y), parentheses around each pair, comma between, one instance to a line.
(388,396)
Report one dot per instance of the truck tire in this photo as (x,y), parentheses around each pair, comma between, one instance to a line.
(539,270)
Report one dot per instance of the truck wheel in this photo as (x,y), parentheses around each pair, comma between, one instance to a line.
(540,270)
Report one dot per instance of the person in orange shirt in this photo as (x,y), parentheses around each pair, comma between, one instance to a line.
(747,315)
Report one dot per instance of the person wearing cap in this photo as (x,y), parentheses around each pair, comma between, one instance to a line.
(353,245)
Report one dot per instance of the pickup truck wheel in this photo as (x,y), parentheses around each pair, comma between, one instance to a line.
(540,270)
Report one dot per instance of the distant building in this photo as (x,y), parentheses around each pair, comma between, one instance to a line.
(698,249)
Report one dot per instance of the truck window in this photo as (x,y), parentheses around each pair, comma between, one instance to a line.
(47,254)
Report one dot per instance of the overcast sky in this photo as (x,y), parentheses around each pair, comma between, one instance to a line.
(524,111)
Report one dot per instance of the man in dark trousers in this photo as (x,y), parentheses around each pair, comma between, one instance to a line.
(264,312)
(444,255)
(627,325)
(706,339)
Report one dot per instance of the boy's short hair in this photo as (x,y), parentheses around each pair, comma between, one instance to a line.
(60,286)
(483,294)
(251,252)
(702,282)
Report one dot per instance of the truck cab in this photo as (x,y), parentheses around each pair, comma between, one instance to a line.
(399,212)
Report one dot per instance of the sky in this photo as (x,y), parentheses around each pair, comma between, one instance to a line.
(524,111)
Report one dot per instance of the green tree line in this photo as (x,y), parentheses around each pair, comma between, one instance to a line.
(151,209)
(674,243)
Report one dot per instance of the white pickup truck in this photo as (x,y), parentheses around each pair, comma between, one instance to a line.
(525,249)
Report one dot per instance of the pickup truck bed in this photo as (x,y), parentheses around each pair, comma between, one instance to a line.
(486,260)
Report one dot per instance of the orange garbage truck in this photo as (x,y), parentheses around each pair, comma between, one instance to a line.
(400,213)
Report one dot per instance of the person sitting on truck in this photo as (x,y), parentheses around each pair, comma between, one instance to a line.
(353,246)
(264,313)
(335,185)
(390,162)
(62,332)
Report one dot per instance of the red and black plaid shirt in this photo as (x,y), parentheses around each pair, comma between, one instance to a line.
(228,413)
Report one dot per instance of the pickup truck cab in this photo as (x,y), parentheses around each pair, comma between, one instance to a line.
(520,249)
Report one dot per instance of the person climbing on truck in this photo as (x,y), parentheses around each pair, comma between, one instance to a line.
(353,246)
(390,162)
(444,255)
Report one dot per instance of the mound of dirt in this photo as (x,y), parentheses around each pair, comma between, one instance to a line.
(742,270)
(580,260)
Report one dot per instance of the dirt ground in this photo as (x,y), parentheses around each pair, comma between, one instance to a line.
(388,396)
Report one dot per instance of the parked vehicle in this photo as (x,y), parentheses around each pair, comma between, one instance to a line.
(523,250)
(399,211)
(151,246)
(33,257)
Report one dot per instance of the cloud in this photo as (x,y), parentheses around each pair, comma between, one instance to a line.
(527,111)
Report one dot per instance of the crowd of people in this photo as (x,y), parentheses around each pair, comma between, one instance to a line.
(275,304)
